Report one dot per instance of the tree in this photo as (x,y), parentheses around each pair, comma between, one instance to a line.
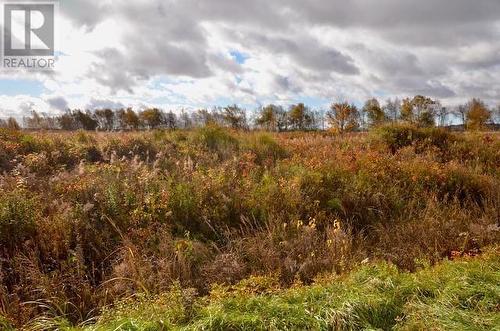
(376,115)
(235,117)
(131,120)
(86,120)
(10,123)
(461,112)
(495,115)
(424,110)
(152,117)
(171,120)
(407,111)
(105,118)
(33,122)
(281,119)
(300,117)
(268,118)
(442,114)
(202,117)
(67,121)
(477,114)
(392,109)
(343,117)
(426,119)
(185,120)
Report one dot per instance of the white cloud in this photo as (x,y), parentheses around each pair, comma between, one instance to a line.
(177,53)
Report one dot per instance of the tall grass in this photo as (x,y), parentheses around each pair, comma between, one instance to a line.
(87,219)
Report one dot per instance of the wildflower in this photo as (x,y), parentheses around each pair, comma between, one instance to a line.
(336,225)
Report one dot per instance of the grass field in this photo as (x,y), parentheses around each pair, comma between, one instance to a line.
(219,229)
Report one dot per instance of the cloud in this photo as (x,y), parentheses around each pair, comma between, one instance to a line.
(103,103)
(58,103)
(294,50)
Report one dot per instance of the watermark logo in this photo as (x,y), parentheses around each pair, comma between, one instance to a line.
(28,35)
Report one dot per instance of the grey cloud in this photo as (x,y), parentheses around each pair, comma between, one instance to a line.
(57,103)
(304,49)
(103,103)
(425,40)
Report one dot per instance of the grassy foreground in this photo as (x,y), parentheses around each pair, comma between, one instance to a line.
(454,295)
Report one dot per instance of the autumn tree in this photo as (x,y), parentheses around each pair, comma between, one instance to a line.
(374,112)
(151,117)
(392,109)
(235,117)
(67,121)
(407,111)
(171,120)
(300,117)
(185,120)
(268,118)
(343,117)
(419,110)
(424,110)
(85,120)
(105,118)
(128,119)
(11,123)
(477,114)
(426,119)
(40,121)
(202,117)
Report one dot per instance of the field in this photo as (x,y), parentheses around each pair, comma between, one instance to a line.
(213,228)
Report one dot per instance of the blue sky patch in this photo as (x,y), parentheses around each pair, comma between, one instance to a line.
(239,57)
(13,87)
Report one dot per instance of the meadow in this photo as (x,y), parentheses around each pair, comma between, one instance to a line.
(213,228)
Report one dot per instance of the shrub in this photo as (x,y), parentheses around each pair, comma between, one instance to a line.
(265,148)
(130,148)
(18,215)
(216,139)
(399,136)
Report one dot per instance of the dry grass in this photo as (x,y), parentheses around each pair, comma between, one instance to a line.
(90,218)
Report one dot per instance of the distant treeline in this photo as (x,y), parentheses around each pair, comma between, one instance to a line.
(341,117)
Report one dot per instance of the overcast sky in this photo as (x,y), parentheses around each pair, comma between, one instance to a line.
(199,53)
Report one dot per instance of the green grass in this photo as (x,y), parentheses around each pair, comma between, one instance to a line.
(455,295)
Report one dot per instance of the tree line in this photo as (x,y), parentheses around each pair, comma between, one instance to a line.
(340,117)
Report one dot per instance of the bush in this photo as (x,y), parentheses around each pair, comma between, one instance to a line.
(216,139)
(399,136)
(265,148)
(130,148)
(18,215)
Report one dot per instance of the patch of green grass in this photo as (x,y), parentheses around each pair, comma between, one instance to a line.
(458,295)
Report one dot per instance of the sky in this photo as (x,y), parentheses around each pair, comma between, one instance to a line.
(189,54)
